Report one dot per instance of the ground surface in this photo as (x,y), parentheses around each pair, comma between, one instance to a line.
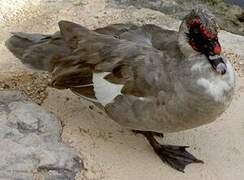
(110,151)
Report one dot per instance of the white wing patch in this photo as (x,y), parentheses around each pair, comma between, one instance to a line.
(105,91)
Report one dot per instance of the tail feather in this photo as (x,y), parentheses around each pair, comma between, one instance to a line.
(17,45)
(37,50)
(34,37)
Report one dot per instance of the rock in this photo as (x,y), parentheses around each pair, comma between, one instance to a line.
(231,21)
(30,142)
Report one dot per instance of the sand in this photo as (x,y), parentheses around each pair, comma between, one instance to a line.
(110,151)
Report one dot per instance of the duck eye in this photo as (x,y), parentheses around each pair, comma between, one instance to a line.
(205,46)
(196,31)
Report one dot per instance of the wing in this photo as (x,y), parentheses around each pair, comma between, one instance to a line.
(102,66)
(116,29)
(149,34)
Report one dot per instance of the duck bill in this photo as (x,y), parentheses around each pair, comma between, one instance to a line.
(218,64)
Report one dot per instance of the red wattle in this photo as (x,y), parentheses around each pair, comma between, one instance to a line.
(217,50)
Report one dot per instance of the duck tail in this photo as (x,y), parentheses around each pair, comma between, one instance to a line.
(19,42)
(37,50)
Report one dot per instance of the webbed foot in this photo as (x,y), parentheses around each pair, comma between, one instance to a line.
(175,156)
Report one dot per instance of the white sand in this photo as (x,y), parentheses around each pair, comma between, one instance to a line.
(110,151)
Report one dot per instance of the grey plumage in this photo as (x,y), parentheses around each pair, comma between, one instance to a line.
(160,90)
(147,78)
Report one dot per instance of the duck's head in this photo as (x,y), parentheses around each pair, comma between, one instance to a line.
(199,34)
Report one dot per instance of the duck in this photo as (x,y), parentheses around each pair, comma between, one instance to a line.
(147,79)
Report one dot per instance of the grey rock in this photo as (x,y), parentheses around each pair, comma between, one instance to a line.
(30,142)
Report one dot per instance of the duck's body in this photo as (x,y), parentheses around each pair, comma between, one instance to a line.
(146,78)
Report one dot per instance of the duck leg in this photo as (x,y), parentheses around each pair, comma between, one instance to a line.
(152,132)
(175,156)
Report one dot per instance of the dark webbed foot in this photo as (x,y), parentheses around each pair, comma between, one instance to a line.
(176,156)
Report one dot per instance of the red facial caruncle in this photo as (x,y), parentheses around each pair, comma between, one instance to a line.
(204,32)
(202,38)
